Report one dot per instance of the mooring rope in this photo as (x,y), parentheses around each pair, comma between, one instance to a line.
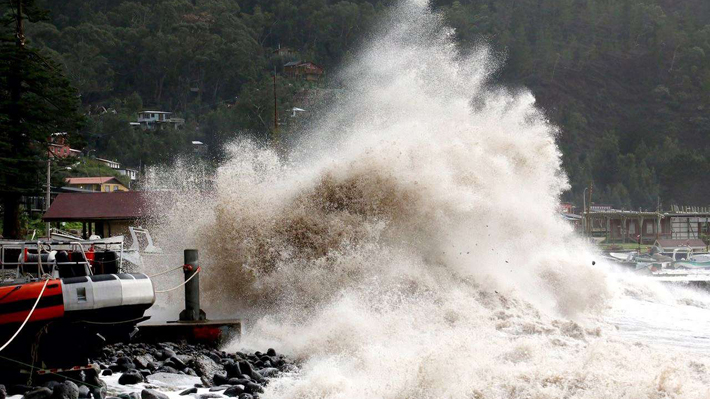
(185,282)
(167,271)
(79,382)
(29,315)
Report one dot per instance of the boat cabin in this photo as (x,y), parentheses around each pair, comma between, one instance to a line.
(669,246)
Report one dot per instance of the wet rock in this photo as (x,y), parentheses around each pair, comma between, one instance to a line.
(39,393)
(233,370)
(143,361)
(66,390)
(269,372)
(237,381)
(19,389)
(234,391)
(168,353)
(131,377)
(271,352)
(220,379)
(256,376)
(3,392)
(188,391)
(153,394)
(245,367)
(107,372)
(84,392)
(252,387)
(246,396)
(208,396)
(125,364)
(204,366)
(178,364)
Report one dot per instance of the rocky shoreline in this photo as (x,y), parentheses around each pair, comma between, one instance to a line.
(162,371)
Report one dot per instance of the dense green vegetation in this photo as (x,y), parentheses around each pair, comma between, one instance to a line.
(36,100)
(627,81)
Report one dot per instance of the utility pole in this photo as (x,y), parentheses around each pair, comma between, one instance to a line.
(48,196)
(276,110)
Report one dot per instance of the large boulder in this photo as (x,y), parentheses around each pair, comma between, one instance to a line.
(245,367)
(220,379)
(131,377)
(204,366)
(124,364)
(233,370)
(66,390)
(143,361)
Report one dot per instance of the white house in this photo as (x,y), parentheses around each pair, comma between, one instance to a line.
(153,119)
(111,164)
(131,173)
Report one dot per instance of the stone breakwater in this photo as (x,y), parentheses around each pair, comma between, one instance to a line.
(162,371)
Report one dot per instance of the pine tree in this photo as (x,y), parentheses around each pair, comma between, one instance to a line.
(36,100)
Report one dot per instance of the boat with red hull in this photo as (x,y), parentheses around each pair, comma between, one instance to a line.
(61,302)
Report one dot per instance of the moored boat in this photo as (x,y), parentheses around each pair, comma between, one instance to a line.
(55,293)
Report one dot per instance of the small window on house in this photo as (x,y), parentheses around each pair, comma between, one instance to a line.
(649,228)
(115,188)
(632,228)
(107,188)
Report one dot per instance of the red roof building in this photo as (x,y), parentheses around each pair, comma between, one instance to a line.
(304,70)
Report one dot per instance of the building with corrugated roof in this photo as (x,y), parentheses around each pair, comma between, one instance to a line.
(106,213)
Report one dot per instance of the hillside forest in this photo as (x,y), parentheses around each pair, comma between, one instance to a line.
(627,81)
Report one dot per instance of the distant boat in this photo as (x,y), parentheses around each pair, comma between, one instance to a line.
(682,265)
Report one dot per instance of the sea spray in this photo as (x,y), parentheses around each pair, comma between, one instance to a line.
(408,246)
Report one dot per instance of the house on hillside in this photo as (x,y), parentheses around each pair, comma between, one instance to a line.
(303,70)
(284,52)
(59,146)
(151,120)
(103,184)
(111,164)
(128,172)
(104,214)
